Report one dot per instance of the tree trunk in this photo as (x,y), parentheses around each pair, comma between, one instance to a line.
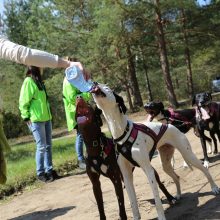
(163,57)
(145,67)
(132,74)
(129,98)
(150,96)
(187,56)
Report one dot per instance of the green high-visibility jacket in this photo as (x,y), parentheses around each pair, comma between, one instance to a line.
(33,103)
(69,98)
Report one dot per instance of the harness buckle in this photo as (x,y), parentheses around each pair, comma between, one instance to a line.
(131,139)
(95,143)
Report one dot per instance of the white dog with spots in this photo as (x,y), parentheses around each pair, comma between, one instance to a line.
(121,129)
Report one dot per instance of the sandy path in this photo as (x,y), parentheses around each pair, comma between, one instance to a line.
(72,198)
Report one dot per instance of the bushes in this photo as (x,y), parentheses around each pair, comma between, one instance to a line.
(13,125)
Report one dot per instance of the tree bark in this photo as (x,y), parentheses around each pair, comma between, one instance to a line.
(150,96)
(132,74)
(129,98)
(187,56)
(163,57)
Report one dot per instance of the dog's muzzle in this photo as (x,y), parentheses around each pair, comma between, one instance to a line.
(97,91)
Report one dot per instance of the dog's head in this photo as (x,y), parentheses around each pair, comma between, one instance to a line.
(106,98)
(154,108)
(84,112)
(202,99)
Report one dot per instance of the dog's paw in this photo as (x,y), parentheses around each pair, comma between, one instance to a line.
(206,164)
(215,190)
(185,165)
(174,201)
(214,152)
(178,196)
(210,152)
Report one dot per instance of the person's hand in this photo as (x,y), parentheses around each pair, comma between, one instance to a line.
(86,74)
(28,123)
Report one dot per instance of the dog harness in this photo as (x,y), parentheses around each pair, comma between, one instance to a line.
(176,115)
(125,148)
(177,119)
(102,160)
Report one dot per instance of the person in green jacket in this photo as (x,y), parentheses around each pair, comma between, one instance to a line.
(35,111)
(69,98)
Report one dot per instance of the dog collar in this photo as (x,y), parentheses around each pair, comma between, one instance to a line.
(124,134)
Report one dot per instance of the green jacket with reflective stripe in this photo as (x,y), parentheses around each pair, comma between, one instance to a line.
(33,102)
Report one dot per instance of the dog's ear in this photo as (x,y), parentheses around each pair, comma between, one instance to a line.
(121,103)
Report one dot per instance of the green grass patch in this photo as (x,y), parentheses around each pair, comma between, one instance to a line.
(21,168)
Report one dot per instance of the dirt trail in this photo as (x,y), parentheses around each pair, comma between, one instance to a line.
(72,198)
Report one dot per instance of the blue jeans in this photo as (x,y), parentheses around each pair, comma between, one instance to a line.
(79,146)
(42,132)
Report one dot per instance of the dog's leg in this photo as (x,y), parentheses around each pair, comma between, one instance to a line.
(184,147)
(96,186)
(170,198)
(209,141)
(218,134)
(126,168)
(143,160)
(115,176)
(212,134)
(166,153)
(149,171)
(203,143)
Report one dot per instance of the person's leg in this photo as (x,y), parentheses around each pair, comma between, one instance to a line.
(79,146)
(38,130)
(48,165)
(79,150)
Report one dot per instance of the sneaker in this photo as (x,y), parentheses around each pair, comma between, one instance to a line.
(50,177)
(42,177)
(82,165)
(55,175)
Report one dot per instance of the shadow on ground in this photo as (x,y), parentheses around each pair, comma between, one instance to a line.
(45,215)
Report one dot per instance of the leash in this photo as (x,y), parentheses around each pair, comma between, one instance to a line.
(172,120)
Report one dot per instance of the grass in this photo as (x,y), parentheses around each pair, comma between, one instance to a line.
(21,170)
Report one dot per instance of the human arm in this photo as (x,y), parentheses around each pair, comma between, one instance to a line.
(33,57)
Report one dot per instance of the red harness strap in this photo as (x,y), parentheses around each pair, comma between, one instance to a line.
(125,148)
(104,157)
(175,115)
(152,134)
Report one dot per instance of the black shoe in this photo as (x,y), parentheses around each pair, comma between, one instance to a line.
(55,175)
(52,176)
(42,177)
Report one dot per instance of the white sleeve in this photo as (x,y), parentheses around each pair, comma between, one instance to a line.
(25,55)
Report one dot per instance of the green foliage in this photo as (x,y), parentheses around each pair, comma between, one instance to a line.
(14,126)
(99,32)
